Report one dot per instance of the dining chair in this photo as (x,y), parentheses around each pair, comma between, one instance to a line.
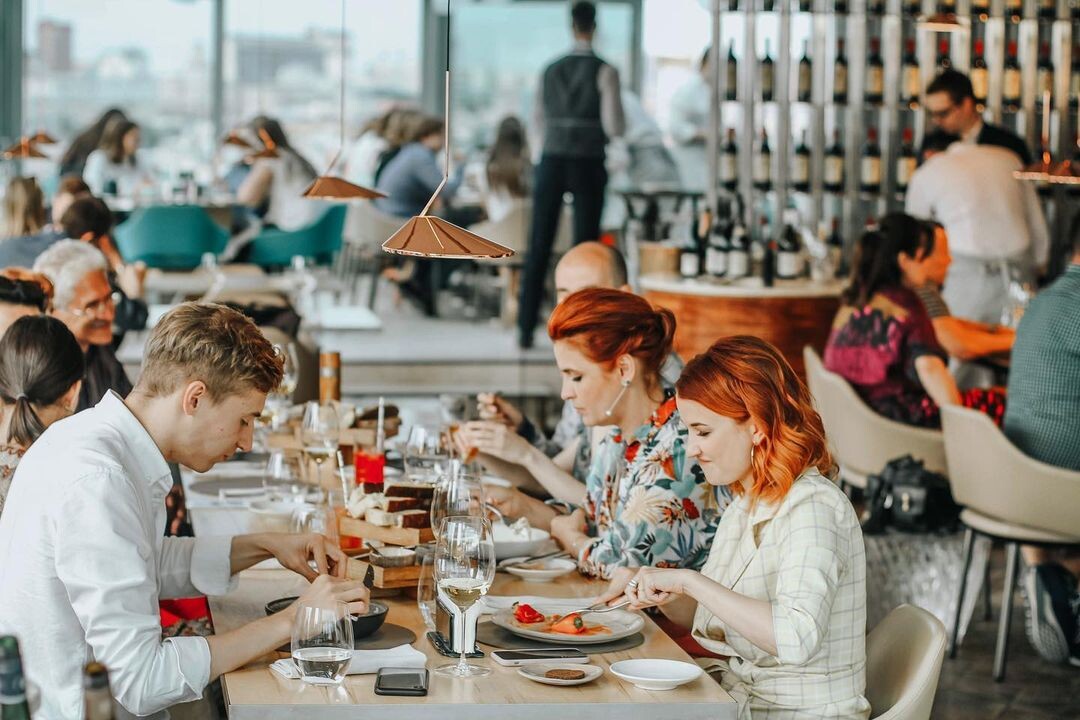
(1006,496)
(169,237)
(319,241)
(903,664)
(863,441)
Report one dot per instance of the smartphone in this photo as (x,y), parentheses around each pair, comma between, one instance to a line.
(516,658)
(412,682)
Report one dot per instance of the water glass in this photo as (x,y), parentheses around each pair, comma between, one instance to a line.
(425,591)
(320,431)
(457,494)
(426,453)
(322,643)
(281,479)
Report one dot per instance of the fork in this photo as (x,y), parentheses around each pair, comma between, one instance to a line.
(603,609)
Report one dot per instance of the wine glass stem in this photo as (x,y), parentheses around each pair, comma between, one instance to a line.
(463,665)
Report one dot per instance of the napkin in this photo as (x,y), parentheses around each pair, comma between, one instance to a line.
(364,662)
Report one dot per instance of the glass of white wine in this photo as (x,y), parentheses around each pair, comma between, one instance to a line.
(464,571)
(322,643)
(320,431)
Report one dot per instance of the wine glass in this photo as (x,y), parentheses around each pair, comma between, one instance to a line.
(281,479)
(425,591)
(457,494)
(320,431)
(322,643)
(464,570)
(291,371)
(426,453)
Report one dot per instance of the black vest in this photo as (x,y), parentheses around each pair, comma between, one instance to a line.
(572,107)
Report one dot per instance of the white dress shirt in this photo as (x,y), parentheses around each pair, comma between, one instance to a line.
(988,214)
(84,560)
(805,556)
(99,171)
(688,125)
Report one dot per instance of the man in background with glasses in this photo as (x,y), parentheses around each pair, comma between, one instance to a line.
(950,100)
(84,301)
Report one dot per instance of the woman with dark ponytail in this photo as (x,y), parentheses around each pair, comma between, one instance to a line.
(41,369)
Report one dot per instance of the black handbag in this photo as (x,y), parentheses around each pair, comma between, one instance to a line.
(907,496)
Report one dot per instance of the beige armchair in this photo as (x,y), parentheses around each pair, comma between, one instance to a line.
(1006,496)
(903,662)
(366,229)
(861,440)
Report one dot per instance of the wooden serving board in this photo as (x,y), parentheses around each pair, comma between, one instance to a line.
(403,537)
(386,578)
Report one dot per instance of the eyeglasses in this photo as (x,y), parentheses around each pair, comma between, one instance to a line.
(95,309)
(941,114)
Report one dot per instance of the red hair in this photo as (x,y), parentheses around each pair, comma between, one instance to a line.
(746,378)
(605,324)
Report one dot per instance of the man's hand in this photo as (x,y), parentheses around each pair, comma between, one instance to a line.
(326,590)
(296,551)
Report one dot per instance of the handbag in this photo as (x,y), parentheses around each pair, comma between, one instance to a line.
(907,496)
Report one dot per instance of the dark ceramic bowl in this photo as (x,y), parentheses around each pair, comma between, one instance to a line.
(362,625)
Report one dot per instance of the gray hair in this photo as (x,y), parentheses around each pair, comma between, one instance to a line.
(66,263)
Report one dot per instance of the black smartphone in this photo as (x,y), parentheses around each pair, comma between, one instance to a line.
(517,658)
(412,682)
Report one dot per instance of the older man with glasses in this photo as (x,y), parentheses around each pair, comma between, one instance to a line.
(85,302)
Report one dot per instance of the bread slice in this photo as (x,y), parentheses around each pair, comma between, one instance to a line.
(414,519)
(409,489)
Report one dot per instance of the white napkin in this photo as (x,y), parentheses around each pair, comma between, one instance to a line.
(364,662)
(498,603)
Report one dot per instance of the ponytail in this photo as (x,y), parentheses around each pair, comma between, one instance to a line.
(25,426)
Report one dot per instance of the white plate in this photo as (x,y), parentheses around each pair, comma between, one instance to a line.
(551,569)
(656,674)
(536,673)
(621,623)
(510,544)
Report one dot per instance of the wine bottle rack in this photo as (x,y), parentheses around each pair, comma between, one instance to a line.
(788,24)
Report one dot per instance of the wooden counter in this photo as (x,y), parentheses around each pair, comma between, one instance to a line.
(790,314)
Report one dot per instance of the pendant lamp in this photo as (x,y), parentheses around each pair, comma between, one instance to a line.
(429,236)
(23,149)
(43,138)
(328,186)
(269,149)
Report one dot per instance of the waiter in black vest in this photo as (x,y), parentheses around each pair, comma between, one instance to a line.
(577,110)
(950,100)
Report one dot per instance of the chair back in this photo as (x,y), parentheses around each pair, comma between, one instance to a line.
(319,241)
(169,237)
(861,440)
(368,227)
(993,477)
(903,663)
(511,230)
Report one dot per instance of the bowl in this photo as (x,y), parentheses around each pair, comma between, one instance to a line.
(542,570)
(509,543)
(656,674)
(363,625)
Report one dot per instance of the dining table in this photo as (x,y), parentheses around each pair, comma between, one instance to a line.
(255,692)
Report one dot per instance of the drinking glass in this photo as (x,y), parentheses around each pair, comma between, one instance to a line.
(426,453)
(320,431)
(425,591)
(457,494)
(464,570)
(322,643)
(291,373)
(281,479)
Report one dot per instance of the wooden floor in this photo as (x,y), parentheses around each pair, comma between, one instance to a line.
(1033,688)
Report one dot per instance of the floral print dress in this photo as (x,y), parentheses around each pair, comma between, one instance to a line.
(647,504)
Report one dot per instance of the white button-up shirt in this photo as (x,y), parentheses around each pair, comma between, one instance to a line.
(84,560)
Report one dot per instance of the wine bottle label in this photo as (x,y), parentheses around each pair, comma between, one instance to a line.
(738,264)
(912,82)
(1011,90)
(800,170)
(716,261)
(840,81)
(762,168)
(1044,82)
(905,167)
(788,264)
(689,265)
(875,81)
(834,170)
(980,83)
(804,81)
(728,165)
(871,170)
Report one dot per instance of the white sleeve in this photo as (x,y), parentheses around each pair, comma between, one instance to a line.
(919,199)
(611,109)
(94,172)
(106,564)
(195,566)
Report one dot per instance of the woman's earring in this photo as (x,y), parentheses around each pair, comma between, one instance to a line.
(611,408)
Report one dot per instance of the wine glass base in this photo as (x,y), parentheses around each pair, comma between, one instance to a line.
(466,671)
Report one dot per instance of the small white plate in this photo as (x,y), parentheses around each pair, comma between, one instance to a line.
(656,674)
(536,673)
(550,570)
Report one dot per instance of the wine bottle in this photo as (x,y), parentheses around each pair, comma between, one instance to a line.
(1044,75)
(800,169)
(716,255)
(1074,79)
(13,702)
(840,73)
(947,7)
(835,243)
(739,252)
(729,162)
(1010,92)
(875,74)
(980,74)
(763,164)
(789,260)
(834,166)
(806,75)
(768,260)
(910,79)
(980,7)
(1014,8)
(944,61)
(689,261)
(906,161)
(97,698)
(767,5)
(840,7)
(870,164)
(732,79)
(767,73)
(1048,9)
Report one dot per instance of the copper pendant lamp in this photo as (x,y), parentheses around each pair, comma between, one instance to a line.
(23,149)
(433,237)
(42,138)
(328,186)
(236,139)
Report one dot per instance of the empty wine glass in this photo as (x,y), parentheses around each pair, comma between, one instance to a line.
(322,643)
(426,453)
(281,479)
(291,370)
(464,570)
(425,591)
(320,431)
(456,494)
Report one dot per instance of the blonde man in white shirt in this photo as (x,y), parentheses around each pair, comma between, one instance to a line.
(83,560)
